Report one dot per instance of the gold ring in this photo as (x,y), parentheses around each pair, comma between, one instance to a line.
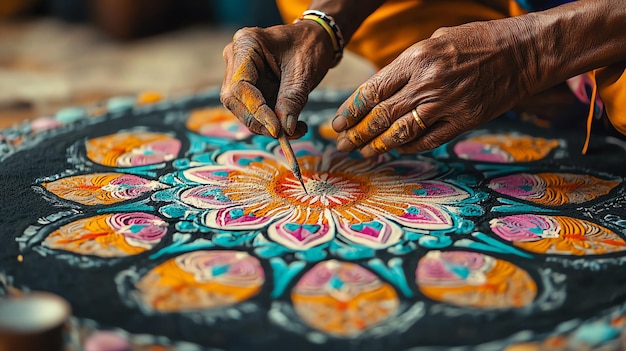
(417,118)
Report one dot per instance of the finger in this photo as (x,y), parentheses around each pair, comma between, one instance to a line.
(293,93)
(437,135)
(246,60)
(227,55)
(254,101)
(299,131)
(231,102)
(244,116)
(378,120)
(226,92)
(376,89)
(405,129)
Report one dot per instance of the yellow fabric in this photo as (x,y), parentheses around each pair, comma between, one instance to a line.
(611,82)
(398,24)
(592,106)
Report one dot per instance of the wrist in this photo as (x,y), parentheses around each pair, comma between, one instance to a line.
(313,38)
(348,14)
(576,38)
(330,27)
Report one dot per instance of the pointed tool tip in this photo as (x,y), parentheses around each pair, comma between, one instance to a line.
(303,186)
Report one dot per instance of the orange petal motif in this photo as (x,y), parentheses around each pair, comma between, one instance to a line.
(110,235)
(101,188)
(474,280)
(343,299)
(559,235)
(132,149)
(505,148)
(553,189)
(201,280)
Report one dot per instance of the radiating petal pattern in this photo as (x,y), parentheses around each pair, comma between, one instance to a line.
(366,201)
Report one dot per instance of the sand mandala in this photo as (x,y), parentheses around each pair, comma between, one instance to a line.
(172,221)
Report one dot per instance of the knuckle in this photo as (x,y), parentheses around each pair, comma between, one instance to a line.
(248,120)
(369,92)
(227,99)
(406,129)
(295,94)
(381,118)
(245,33)
(441,32)
(355,137)
(228,51)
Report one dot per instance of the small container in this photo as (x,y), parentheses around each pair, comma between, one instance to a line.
(33,322)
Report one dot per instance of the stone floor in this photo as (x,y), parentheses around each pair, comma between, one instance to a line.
(46,64)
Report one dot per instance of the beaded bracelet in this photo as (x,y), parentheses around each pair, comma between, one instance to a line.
(330,26)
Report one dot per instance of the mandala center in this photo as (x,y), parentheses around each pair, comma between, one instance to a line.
(323,190)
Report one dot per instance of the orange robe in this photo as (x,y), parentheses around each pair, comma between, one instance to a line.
(398,24)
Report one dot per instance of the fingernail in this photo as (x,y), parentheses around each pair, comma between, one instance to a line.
(344,145)
(272,129)
(367,151)
(292,122)
(339,123)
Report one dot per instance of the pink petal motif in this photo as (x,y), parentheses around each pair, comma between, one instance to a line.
(343,299)
(214,175)
(237,218)
(132,149)
(216,122)
(247,158)
(521,185)
(438,192)
(525,227)
(377,233)
(101,188)
(138,225)
(422,216)
(109,235)
(338,279)
(453,268)
(303,229)
(480,151)
(207,196)
(553,189)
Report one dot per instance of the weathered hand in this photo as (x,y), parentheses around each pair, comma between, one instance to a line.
(270,73)
(457,79)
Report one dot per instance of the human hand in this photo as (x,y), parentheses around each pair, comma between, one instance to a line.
(456,80)
(270,73)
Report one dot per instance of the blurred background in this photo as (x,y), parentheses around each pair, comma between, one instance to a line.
(58,53)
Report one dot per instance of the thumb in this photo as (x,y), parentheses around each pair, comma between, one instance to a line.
(293,94)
